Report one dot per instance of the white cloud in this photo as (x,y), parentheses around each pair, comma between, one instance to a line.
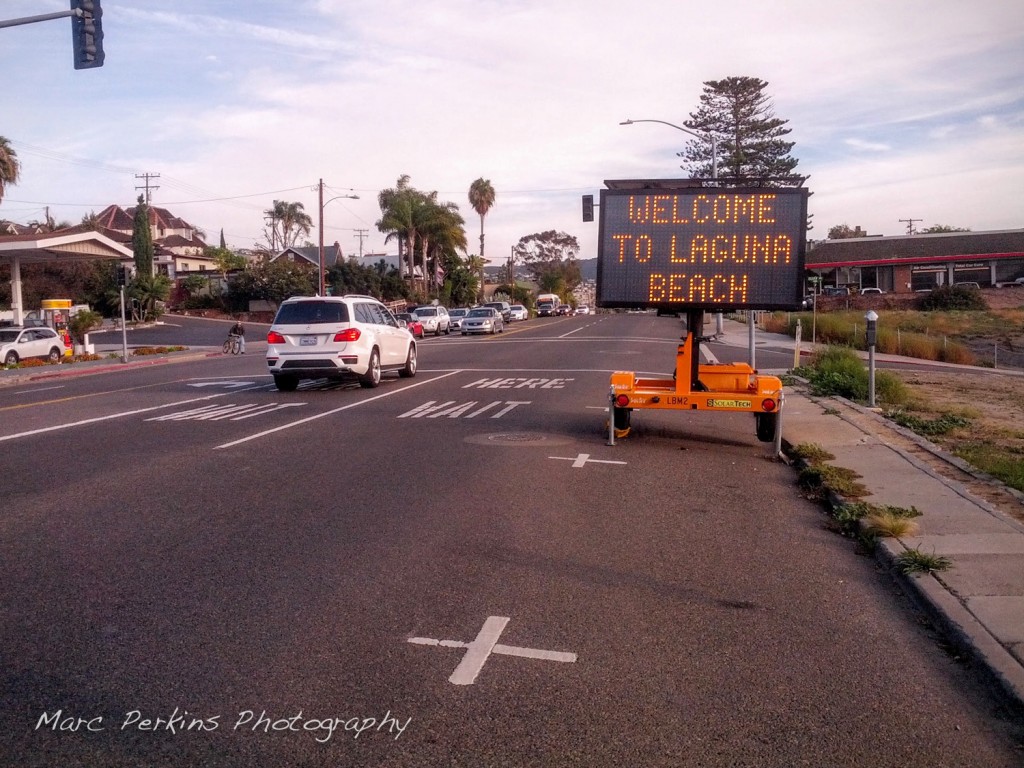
(912,108)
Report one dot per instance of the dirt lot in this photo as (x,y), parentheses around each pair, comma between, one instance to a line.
(994,403)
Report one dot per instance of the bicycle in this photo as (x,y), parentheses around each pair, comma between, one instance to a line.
(233,344)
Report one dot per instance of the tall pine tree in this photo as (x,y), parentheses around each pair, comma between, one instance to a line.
(749,135)
(142,240)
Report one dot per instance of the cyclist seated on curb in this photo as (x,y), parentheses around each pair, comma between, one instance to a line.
(238,330)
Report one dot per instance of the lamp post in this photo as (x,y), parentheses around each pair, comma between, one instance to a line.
(323,202)
(709,136)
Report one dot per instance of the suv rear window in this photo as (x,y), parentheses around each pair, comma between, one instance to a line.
(312,312)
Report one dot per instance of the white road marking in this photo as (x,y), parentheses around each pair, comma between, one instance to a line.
(333,411)
(110,417)
(39,389)
(486,643)
(583,459)
(219,412)
(225,384)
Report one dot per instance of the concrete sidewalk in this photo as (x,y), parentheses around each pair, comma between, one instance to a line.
(979,602)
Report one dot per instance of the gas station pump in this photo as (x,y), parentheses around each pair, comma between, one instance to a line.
(56,314)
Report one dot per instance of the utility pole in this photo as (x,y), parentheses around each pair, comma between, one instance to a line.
(910,224)
(147,187)
(362,234)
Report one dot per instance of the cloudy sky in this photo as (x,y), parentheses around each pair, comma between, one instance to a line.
(899,109)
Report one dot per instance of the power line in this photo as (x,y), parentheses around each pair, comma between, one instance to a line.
(147,177)
(910,224)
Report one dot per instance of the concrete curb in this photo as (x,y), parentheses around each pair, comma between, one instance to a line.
(956,622)
(16,376)
(950,616)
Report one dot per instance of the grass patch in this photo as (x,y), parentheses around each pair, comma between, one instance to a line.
(940,425)
(142,351)
(818,479)
(886,524)
(811,453)
(914,561)
(1005,464)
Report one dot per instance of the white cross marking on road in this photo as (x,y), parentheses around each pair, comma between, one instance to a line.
(484,645)
(583,459)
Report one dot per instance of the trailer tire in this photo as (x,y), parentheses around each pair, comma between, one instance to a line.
(764,425)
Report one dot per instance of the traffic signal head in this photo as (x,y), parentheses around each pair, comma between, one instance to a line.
(588,207)
(87,33)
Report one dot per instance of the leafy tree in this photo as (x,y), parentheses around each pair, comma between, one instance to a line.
(287,222)
(550,257)
(91,221)
(142,240)
(272,281)
(750,137)
(939,228)
(845,232)
(481,197)
(10,168)
(226,260)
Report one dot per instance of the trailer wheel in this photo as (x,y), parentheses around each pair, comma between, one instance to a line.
(765,424)
(622,418)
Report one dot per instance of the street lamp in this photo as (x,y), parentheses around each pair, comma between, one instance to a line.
(321,227)
(709,136)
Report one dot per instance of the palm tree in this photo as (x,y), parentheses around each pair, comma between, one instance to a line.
(481,197)
(441,231)
(401,214)
(10,168)
(288,221)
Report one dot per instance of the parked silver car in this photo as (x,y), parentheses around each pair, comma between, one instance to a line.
(456,316)
(483,320)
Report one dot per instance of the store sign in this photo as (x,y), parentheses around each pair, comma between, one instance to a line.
(697,248)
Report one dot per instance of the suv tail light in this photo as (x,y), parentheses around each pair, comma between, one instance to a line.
(275,338)
(349,334)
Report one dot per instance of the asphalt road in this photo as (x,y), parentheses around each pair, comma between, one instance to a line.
(453,570)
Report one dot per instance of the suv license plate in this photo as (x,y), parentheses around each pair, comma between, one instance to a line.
(307,341)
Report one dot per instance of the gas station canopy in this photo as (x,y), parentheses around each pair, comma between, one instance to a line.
(67,245)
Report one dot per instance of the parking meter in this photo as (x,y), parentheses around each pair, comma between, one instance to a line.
(872,338)
(872,332)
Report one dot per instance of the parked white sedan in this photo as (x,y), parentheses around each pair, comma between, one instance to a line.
(17,344)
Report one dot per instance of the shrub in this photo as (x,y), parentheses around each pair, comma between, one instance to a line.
(950,297)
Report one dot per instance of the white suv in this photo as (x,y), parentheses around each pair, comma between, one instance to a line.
(316,337)
(435,319)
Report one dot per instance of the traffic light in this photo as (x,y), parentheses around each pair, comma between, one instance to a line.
(588,207)
(121,275)
(87,33)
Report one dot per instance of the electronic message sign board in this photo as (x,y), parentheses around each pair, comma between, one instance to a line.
(689,247)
